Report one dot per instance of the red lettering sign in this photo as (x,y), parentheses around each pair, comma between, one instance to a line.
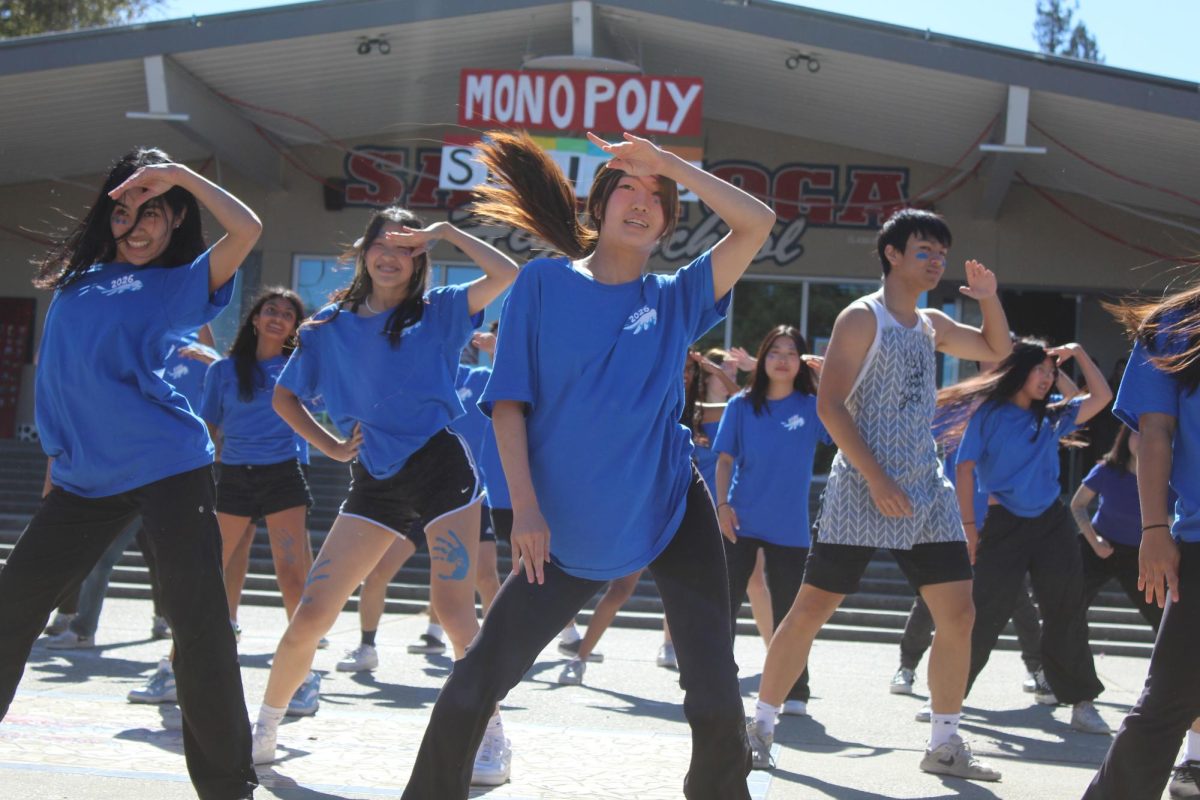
(371,178)
(872,196)
(647,105)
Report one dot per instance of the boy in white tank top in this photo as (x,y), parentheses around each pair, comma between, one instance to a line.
(886,487)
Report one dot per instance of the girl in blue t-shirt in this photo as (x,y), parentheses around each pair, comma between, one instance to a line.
(131,277)
(1158,398)
(1108,542)
(586,398)
(382,356)
(766,443)
(261,475)
(1011,445)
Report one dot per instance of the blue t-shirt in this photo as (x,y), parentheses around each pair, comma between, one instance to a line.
(1146,389)
(772,465)
(943,419)
(598,366)
(402,395)
(184,373)
(494,481)
(469,383)
(1013,465)
(105,413)
(706,457)
(251,431)
(1118,516)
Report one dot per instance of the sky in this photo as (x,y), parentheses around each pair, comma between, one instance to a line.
(1158,39)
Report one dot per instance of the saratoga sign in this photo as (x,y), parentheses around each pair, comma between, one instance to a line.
(646,105)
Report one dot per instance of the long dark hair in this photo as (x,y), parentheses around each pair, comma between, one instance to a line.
(985,392)
(412,307)
(1178,316)
(531,193)
(244,349)
(693,414)
(804,381)
(1119,454)
(92,241)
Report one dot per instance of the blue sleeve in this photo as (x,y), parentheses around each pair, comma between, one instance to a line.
(1097,479)
(210,402)
(1066,421)
(186,300)
(1145,389)
(514,368)
(301,374)
(694,283)
(727,439)
(971,446)
(453,313)
(820,432)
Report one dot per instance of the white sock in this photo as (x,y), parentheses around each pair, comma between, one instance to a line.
(570,634)
(942,727)
(1192,752)
(764,715)
(434,630)
(269,717)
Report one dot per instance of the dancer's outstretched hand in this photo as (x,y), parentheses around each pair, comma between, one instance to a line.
(634,156)
(530,545)
(981,281)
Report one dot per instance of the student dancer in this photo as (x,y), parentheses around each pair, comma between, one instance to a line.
(767,440)
(1108,542)
(382,356)
(876,399)
(261,475)
(1011,446)
(123,442)
(586,400)
(1158,399)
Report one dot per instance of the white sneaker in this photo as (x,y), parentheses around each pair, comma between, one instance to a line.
(925,714)
(363,658)
(159,689)
(955,758)
(666,656)
(493,762)
(572,673)
(428,644)
(760,745)
(160,628)
(262,748)
(322,643)
(70,640)
(794,708)
(902,681)
(1086,719)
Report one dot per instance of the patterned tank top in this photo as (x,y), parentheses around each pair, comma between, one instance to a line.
(892,403)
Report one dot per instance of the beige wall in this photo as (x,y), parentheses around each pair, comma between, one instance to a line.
(1030,244)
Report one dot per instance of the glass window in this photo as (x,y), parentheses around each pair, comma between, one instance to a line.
(758,306)
(317,277)
(825,302)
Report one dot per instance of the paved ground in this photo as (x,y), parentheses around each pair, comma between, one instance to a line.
(70,732)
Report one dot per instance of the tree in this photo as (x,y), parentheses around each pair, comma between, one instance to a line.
(29,17)
(1057,33)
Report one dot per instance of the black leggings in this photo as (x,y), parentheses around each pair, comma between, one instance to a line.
(525,617)
(784,568)
(918,632)
(58,549)
(1138,764)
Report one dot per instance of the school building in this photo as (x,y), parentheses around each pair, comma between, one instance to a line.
(1075,182)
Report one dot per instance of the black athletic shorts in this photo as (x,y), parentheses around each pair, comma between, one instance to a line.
(437,480)
(839,568)
(502,520)
(256,490)
(486,532)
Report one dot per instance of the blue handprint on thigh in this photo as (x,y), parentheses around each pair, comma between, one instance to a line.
(453,552)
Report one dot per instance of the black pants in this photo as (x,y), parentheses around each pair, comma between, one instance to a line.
(66,537)
(918,632)
(1122,565)
(1044,547)
(143,543)
(525,617)
(784,568)
(1138,764)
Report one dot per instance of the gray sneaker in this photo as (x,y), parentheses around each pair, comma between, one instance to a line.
(159,689)
(59,623)
(70,640)
(760,745)
(902,681)
(160,628)
(924,713)
(955,758)
(1085,718)
(1185,781)
(572,673)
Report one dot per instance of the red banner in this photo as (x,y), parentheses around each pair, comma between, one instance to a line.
(647,105)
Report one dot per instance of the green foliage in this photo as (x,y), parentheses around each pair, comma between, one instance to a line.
(30,17)
(1057,33)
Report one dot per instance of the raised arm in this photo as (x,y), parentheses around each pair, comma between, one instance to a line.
(992,342)
(1099,395)
(750,221)
(499,271)
(853,333)
(530,534)
(242,226)
(289,407)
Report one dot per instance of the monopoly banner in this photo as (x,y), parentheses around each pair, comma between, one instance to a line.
(646,105)
(579,160)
